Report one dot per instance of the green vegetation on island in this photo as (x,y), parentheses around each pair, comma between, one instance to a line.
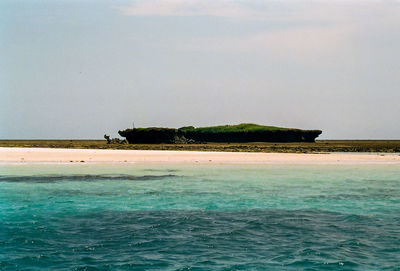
(243,127)
(245,132)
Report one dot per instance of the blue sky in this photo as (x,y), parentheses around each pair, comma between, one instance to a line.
(79,69)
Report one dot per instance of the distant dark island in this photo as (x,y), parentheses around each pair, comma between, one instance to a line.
(245,132)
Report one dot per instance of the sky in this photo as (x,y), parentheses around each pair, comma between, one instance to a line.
(74,69)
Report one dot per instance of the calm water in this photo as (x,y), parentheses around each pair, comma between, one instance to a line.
(137,217)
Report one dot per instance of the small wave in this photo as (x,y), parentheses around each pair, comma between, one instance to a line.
(160,170)
(85,178)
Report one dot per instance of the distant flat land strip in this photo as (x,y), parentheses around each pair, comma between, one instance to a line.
(320,146)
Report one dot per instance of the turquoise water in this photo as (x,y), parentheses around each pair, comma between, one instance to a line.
(203,217)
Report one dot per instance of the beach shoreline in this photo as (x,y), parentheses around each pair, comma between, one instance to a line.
(53,155)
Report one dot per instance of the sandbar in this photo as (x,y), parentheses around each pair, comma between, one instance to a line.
(52,155)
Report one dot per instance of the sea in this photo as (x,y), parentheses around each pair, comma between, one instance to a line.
(83,216)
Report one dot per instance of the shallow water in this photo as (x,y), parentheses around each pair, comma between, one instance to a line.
(203,217)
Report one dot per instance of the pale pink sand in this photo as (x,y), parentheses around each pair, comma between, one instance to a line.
(12,155)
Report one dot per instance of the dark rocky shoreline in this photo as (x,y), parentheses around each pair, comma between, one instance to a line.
(380,146)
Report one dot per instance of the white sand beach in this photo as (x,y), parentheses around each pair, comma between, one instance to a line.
(49,155)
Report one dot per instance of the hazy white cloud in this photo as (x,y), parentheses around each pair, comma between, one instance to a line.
(272,9)
(300,43)
(294,29)
(219,8)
